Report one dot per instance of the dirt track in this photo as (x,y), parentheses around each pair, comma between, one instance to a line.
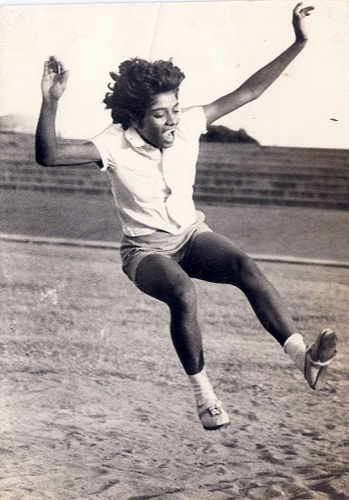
(94,404)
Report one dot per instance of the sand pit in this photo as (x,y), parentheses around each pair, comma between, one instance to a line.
(94,404)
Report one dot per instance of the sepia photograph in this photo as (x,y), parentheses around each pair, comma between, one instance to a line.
(174,238)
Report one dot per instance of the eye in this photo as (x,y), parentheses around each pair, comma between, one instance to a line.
(159,115)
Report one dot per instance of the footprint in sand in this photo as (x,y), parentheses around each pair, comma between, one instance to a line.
(284,452)
(276,489)
(330,479)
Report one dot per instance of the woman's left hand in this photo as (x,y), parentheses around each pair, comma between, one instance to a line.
(298,21)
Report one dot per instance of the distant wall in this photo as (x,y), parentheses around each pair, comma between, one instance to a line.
(274,176)
(227,173)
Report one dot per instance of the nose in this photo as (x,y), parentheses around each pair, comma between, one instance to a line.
(171,118)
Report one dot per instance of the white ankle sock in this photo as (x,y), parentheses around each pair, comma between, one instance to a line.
(295,348)
(202,386)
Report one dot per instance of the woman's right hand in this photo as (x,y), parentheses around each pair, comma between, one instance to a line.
(54,79)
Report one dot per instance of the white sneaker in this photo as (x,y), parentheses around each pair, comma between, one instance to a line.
(212,415)
(318,357)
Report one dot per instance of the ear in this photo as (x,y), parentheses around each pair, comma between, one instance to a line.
(136,123)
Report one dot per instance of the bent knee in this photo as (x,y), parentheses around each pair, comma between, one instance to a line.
(247,264)
(246,270)
(182,296)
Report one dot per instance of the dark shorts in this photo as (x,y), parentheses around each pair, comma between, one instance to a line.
(174,246)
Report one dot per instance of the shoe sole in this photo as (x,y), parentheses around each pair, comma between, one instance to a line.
(327,346)
(217,427)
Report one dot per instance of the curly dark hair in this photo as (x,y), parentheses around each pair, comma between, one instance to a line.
(136,86)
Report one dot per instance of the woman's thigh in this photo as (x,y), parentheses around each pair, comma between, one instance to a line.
(164,279)
(215,258)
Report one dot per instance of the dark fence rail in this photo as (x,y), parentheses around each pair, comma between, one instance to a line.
(227,173)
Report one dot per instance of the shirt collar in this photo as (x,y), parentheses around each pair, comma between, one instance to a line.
(137,141)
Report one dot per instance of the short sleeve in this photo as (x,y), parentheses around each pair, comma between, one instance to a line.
(194,120)
(103,143)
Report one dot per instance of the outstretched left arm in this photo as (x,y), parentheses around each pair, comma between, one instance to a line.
(255,86)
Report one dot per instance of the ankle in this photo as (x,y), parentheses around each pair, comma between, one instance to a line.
(296,349)
(202,387)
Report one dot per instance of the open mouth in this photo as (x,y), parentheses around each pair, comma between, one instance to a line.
(169,135)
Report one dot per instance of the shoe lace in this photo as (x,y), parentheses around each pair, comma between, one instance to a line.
(215,409)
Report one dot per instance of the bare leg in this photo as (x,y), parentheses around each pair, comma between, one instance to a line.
(216,259)
(165,280)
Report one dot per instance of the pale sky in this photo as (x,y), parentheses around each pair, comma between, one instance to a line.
(217,45)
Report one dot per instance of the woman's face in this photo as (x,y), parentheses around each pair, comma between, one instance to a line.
(161,120)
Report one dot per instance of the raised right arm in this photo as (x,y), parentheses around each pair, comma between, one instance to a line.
(49,152)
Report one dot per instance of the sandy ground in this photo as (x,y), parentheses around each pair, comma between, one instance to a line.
(94,404)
